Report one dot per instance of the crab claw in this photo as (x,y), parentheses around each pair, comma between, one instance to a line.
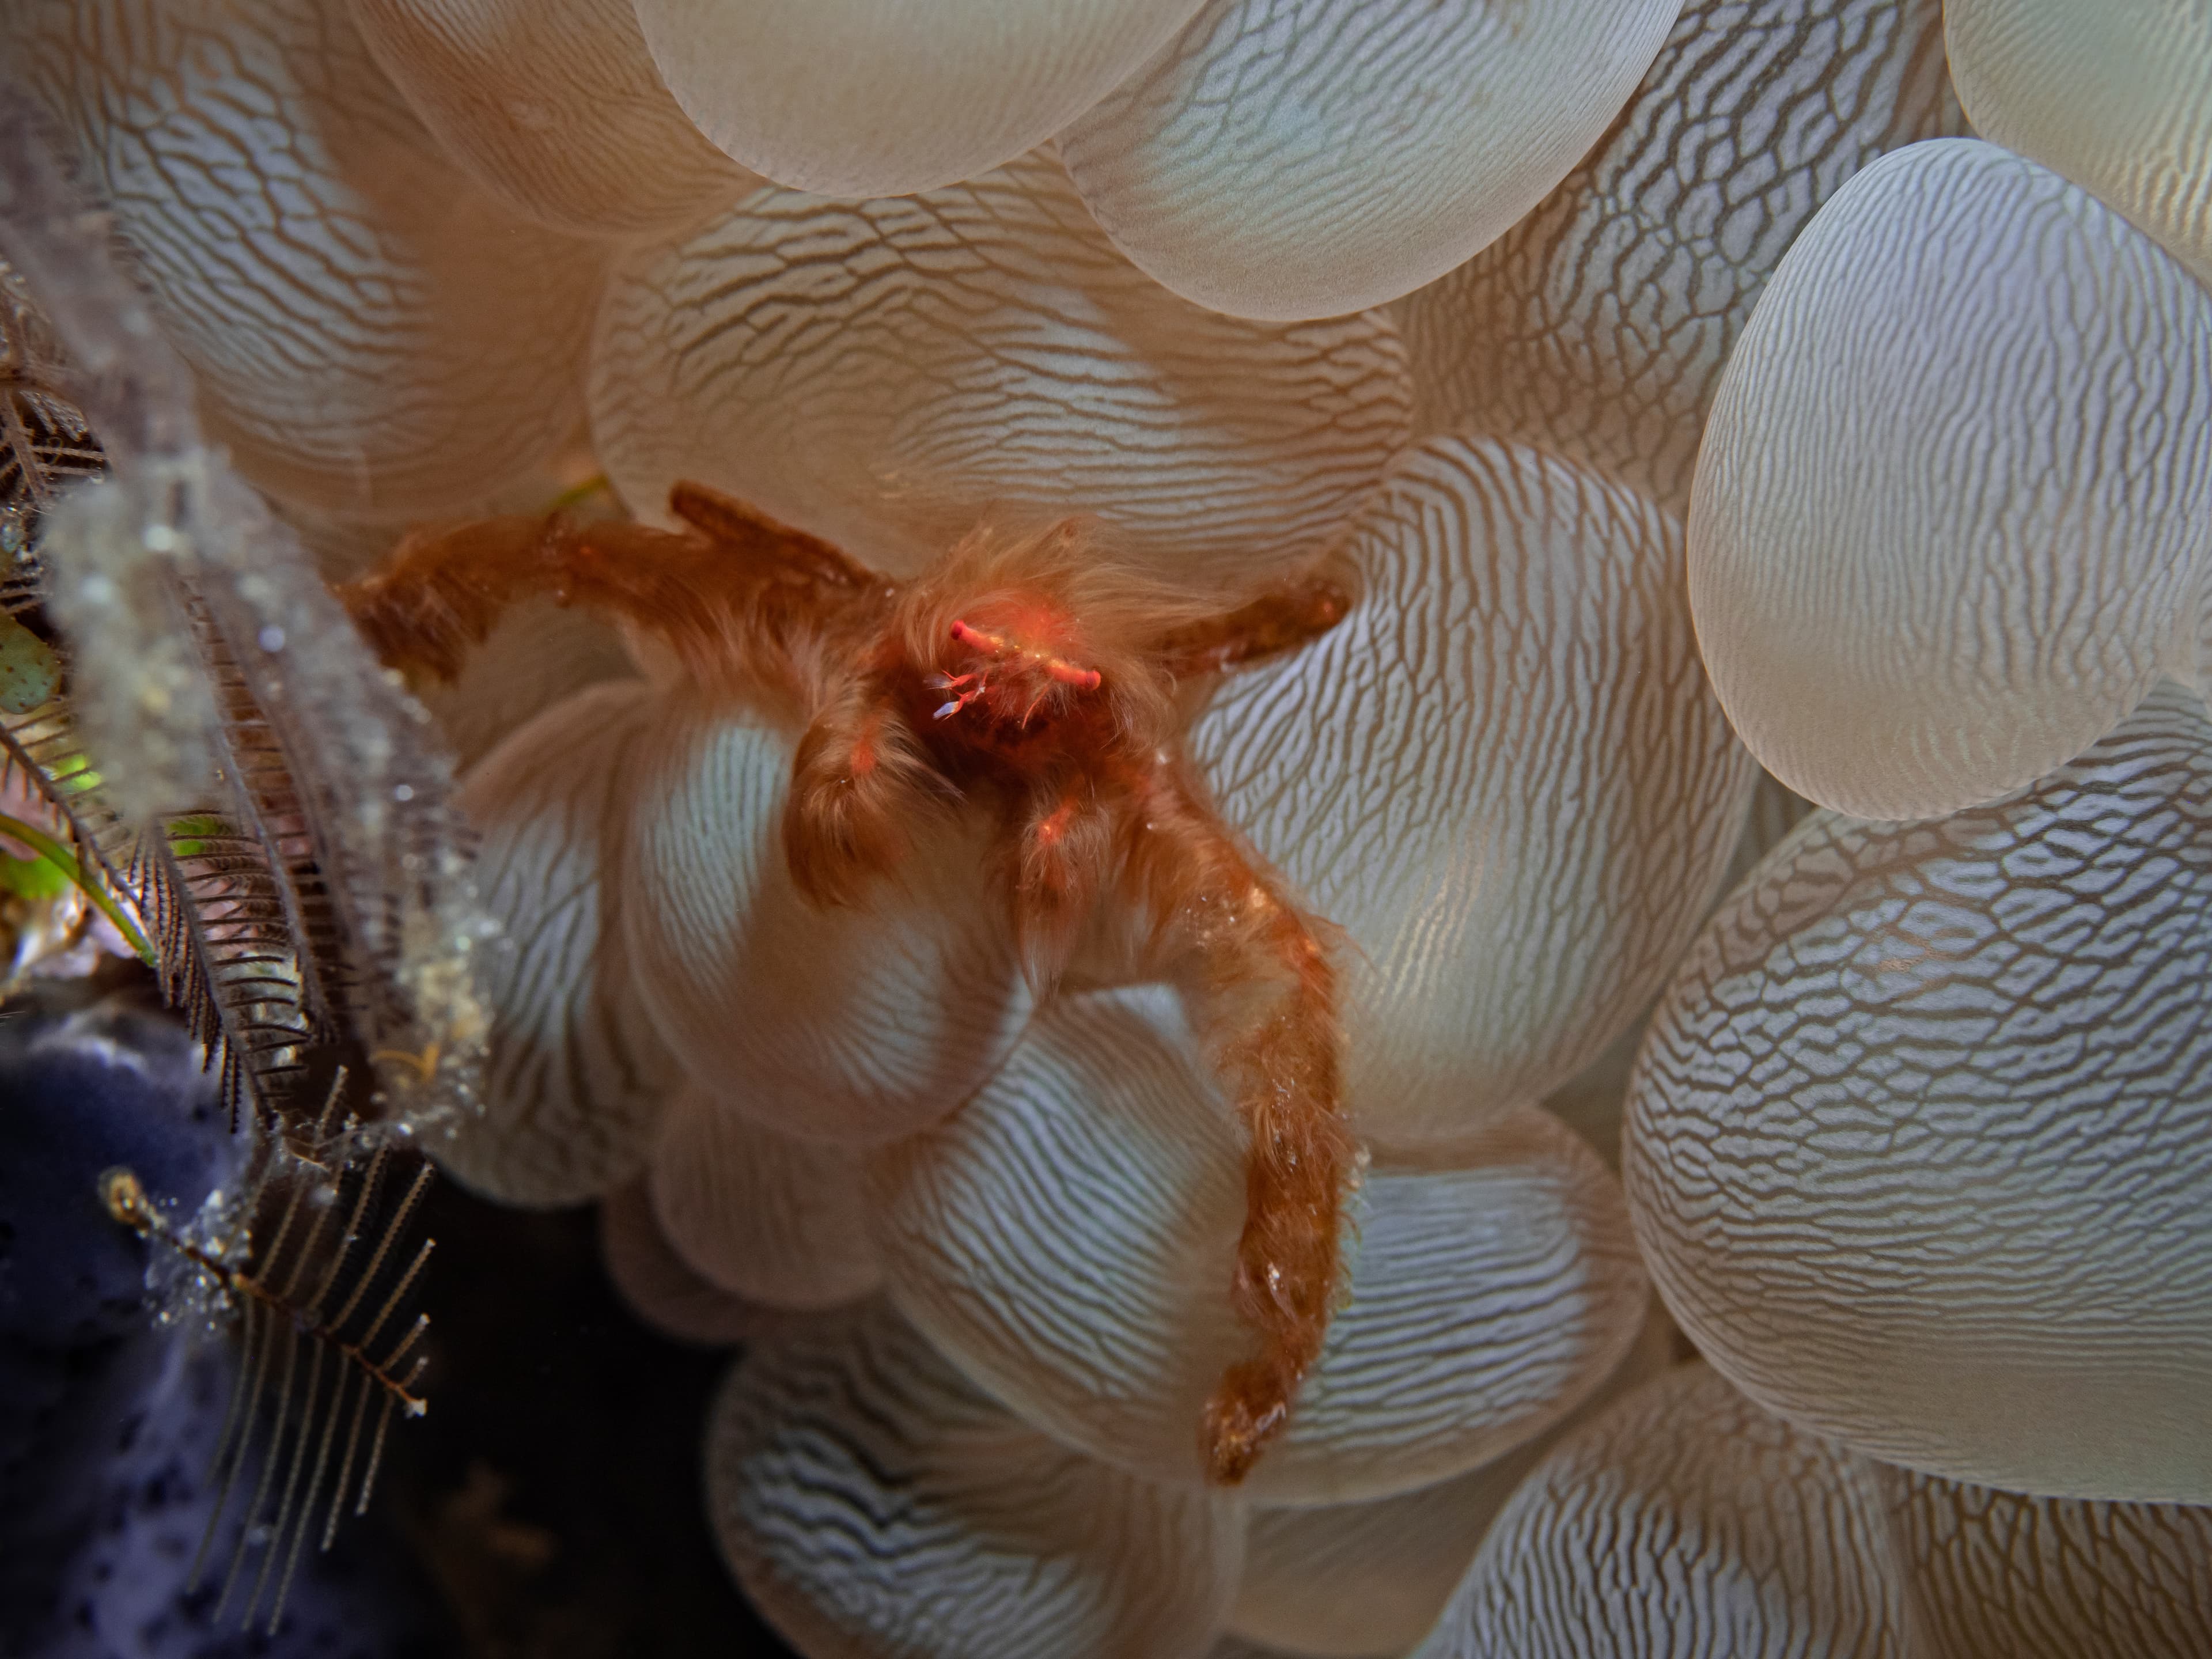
(963,699)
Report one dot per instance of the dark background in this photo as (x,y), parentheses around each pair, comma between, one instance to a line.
(554,1490)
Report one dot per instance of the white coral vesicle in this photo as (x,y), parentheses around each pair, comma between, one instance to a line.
(1502,775)
(1955,506)
(851,1027)
(1686,1521)
(576,1076)
(871,1502)
(2117,95)
(1598,325)
(554,107)
(371,333)
(1307,158)
(887,373)
(878,98)
(1356,1581)
(773,1220)
(1918,1144)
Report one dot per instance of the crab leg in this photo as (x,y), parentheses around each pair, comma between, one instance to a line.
(1263,996)
(732,609)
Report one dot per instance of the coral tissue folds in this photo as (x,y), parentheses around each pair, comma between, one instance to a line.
(1680,390)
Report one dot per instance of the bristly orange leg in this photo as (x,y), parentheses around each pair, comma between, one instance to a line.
(738,598)
(857,780)
(741,529)
(1064,851)
(441,592)
(1265,999)
(1281,619)
(1263,996)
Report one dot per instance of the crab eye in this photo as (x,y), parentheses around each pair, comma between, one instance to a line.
(976,640)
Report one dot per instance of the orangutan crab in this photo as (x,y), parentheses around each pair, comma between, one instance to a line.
(1034,674)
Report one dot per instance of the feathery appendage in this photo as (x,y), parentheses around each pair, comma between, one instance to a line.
(210,745)
(45,445)
(310,1261)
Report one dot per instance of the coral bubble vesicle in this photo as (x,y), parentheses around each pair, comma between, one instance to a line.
(1920,1145)
(1363,1581)
(664,1290)
(576,1076)
(370,333)
(850,1026)
(885,374)
(2116,95)
(1502,775)
(1306,158)
(555,107)
(884,97)
(875,1505)
(1599,325)
(1069,1238)
(1955,498)
(2079,1580)
(774,1220)
(1686,1522)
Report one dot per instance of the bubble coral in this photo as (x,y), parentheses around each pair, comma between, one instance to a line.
(1983,544)
(1034,678)
(1256,157)
(1946,554)
(554,109)
(997,1224)
(595,118)
(1982,538)
(1055,1221)
(1598,324)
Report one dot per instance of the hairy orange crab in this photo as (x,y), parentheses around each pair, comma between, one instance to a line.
(1034,675)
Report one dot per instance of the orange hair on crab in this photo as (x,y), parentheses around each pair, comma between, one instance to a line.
(1035,674)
